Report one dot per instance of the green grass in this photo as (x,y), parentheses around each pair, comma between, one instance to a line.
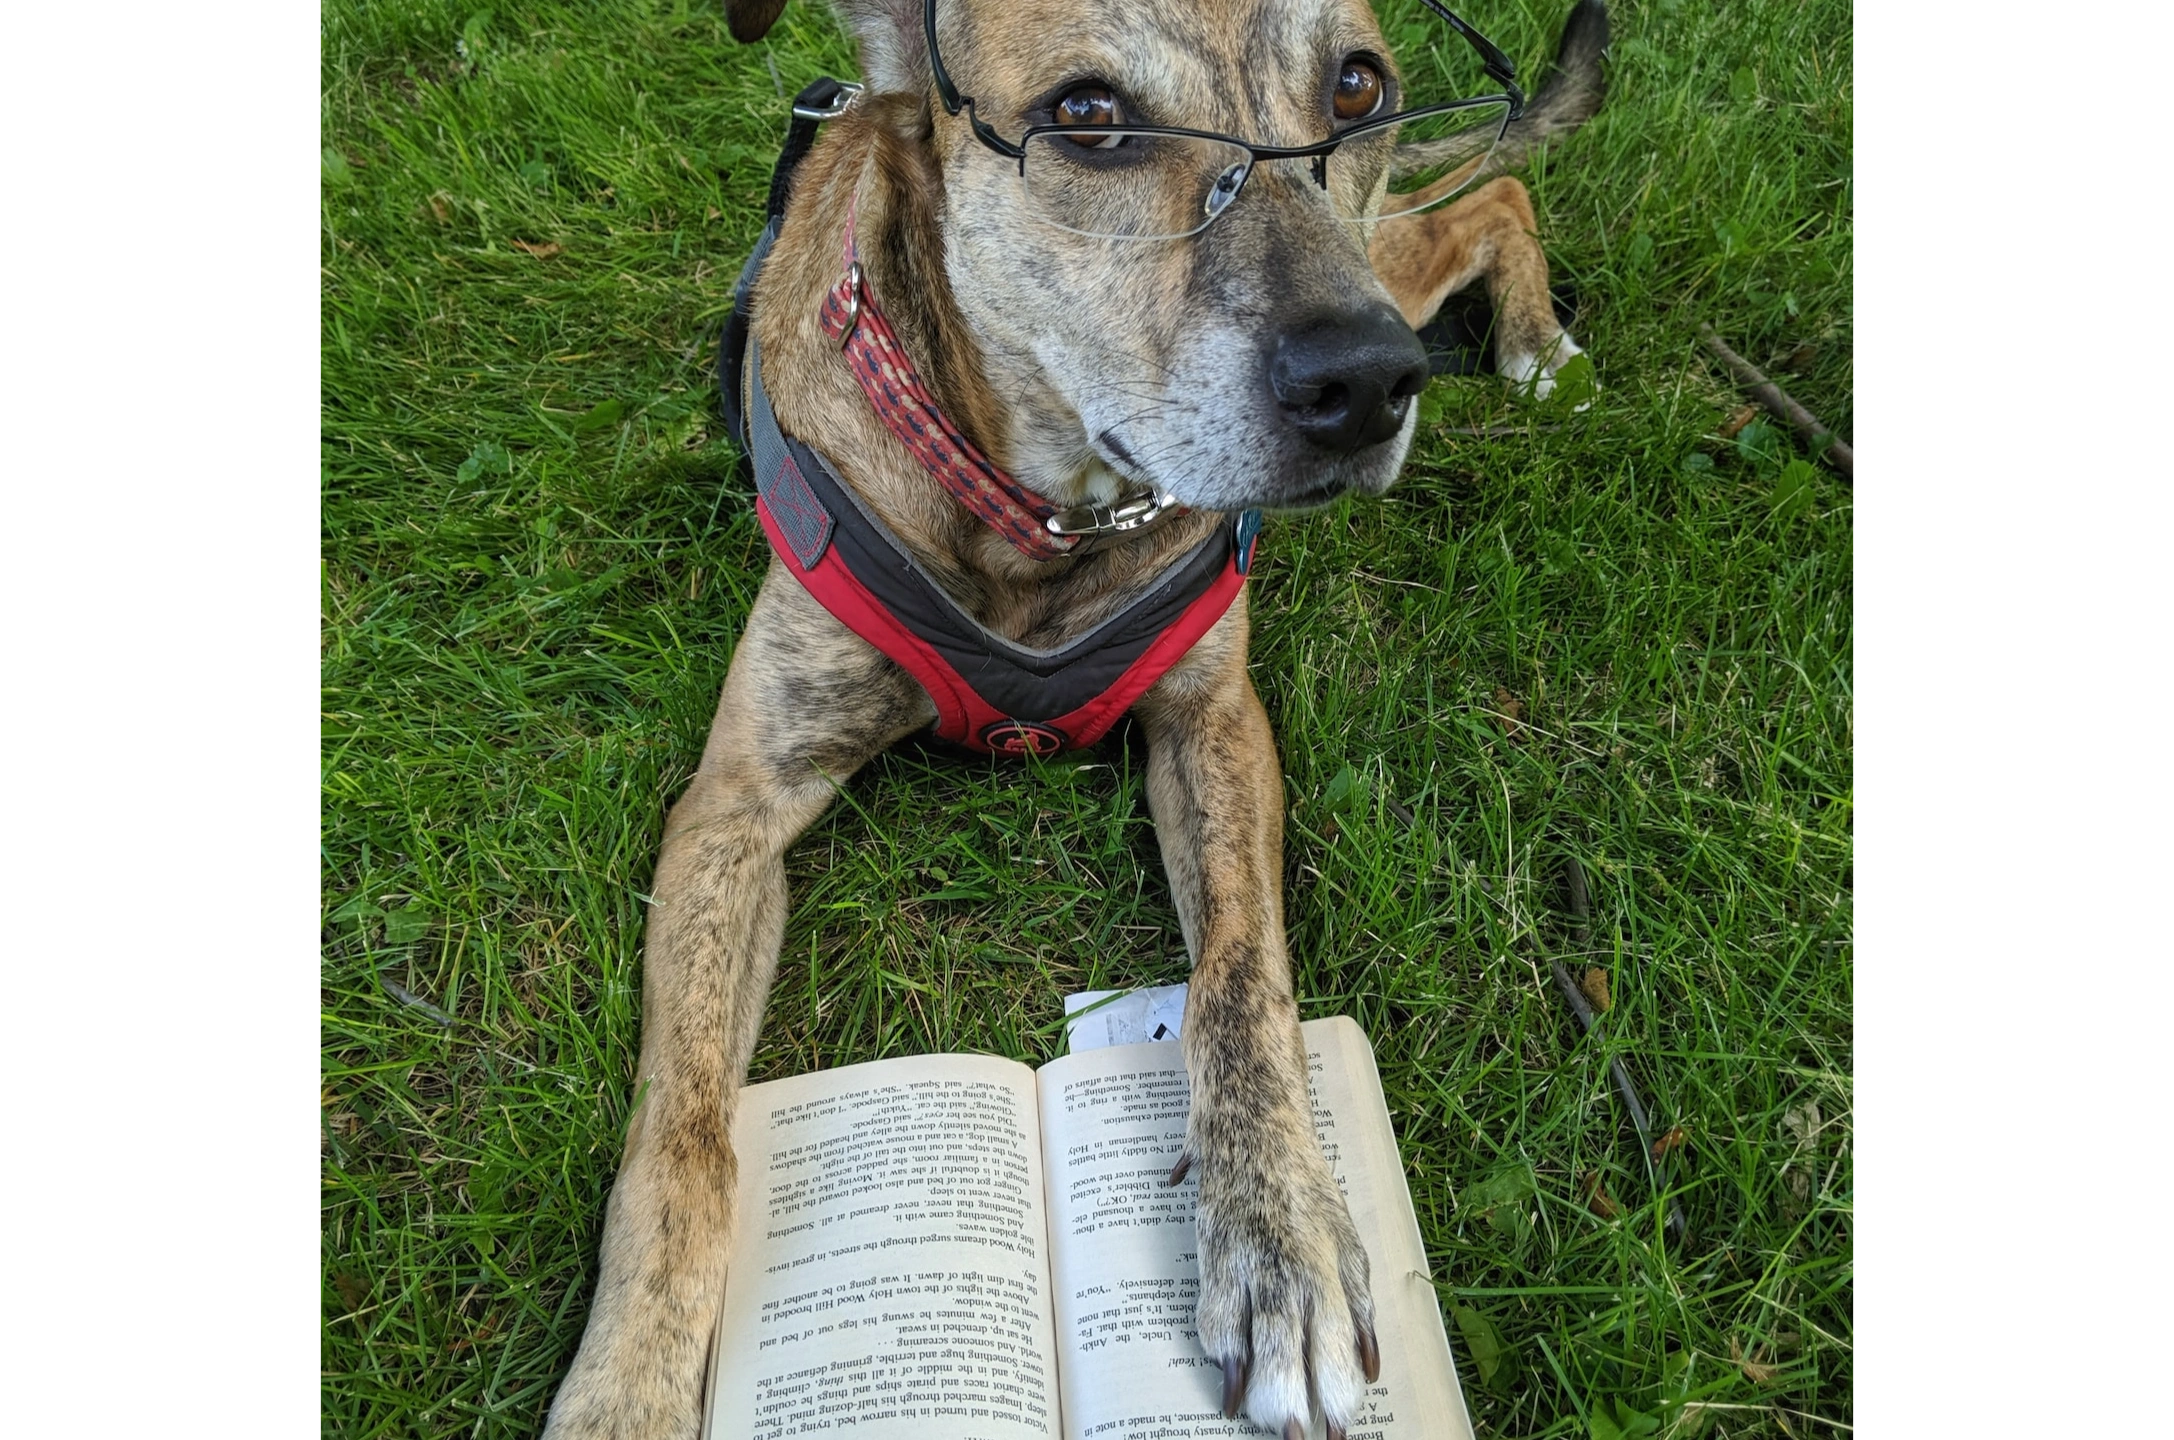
(538,553)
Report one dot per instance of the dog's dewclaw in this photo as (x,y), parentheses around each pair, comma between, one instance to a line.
(1178,1171)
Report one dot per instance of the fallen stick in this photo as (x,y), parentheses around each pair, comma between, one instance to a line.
(1776,399)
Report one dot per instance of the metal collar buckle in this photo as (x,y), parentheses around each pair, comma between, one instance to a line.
(1137,513)
(848,92)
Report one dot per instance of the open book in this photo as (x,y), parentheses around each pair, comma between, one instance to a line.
(957,1247)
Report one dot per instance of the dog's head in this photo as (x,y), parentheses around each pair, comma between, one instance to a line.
(1258,362)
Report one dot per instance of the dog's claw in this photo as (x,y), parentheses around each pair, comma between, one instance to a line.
(1336,1431)
(1234,1386)
(1293,1429)
(1369,1354)
(1178,1171)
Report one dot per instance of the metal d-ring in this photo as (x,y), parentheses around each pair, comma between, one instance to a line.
(848,92)
(852,302)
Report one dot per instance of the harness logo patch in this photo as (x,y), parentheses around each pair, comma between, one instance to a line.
(1021,737)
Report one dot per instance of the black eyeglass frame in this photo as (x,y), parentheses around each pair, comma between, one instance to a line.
(1492,60)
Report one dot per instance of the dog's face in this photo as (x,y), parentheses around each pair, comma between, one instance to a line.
(1258,362)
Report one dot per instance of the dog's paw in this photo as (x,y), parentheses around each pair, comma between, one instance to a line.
(1285,1307)
(1534,374)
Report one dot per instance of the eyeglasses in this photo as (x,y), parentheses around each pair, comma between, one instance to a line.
(1160,182)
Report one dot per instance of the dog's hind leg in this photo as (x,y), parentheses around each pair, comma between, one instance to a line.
(1490,234)
(1285,1306)
(805,704)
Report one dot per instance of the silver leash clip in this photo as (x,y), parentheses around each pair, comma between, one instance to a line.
(1137,513)
(848,92)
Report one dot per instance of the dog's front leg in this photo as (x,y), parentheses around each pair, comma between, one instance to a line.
(804,705)
(1285,1306)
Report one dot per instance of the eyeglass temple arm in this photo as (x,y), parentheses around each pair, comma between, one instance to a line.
(945,90)
(948,92)
(1492,60)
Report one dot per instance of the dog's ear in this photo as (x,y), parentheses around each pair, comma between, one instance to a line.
(750,20)
(894,47)
(894,50)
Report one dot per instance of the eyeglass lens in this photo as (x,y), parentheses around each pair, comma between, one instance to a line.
(1438,156)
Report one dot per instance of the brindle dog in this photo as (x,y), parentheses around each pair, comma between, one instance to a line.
(1078,365)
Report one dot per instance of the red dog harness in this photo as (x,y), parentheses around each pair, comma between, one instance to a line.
(989,693)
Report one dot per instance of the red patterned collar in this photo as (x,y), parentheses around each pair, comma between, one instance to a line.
(1036,527)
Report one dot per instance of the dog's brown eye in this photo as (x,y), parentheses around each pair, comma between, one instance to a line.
(1358,90)
(1088,105)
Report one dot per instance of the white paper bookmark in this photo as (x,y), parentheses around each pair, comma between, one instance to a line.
(1132,1017)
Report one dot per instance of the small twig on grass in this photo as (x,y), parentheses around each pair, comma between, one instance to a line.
(414,1001)
(1581,909)
(1776,399)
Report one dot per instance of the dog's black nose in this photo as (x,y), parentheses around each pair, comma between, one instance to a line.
(1346,378)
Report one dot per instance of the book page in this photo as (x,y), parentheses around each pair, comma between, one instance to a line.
(889,1276)
(1124,1270)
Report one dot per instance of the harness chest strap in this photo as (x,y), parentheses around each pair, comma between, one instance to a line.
(989,693)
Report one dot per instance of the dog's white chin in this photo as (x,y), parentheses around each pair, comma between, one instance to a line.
(1315,485)
(1323,489)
